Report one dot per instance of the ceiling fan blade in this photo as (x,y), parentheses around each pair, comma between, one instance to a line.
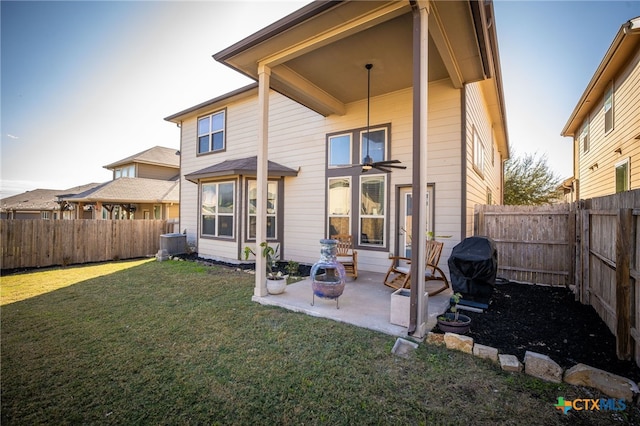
(394,167)
(381,168)
(388,162)
(342,166)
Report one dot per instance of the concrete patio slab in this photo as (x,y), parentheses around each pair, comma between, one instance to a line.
(365,303)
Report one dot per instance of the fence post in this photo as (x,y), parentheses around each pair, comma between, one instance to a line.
(585,255)
(623,284)
(571,243)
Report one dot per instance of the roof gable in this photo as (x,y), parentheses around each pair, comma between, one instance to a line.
(158,155)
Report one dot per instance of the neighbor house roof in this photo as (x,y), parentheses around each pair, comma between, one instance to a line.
(624,45)
(158,155)
(40,199)
(77,190)
(131,190)
(36,200)
(242,166)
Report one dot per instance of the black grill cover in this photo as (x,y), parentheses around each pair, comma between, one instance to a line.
(473,266)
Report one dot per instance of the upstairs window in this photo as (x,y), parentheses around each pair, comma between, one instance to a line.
(584,137)
(339,150)
(211,133)
(608,109)
(373,144)
(128,171)
(478,153)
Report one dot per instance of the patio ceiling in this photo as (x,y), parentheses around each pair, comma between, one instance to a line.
(317,55)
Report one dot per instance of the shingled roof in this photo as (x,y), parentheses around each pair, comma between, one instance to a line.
(243,166)
(40,199)
(158,155)
(130,190)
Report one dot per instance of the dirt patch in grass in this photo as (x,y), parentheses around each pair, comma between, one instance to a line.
(549,321)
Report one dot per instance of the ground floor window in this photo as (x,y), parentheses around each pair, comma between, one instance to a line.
(622,176)
(373,194)
(339,199)
(272,209)
(218,209)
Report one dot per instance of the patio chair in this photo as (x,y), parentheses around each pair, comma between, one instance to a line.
(346,254)
(399,273)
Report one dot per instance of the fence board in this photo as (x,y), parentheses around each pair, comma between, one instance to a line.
(40,243)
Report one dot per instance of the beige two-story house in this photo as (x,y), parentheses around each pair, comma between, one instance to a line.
(322,143)
(605,124)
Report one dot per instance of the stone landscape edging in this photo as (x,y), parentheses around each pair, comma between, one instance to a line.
(543,367)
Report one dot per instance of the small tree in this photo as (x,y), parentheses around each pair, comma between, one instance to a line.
(529,181)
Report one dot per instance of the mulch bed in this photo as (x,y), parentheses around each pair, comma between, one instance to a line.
(549,321)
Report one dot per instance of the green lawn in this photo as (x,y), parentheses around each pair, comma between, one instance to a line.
(181,343)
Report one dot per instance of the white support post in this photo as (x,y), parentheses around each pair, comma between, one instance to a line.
(264,74)
(422,315)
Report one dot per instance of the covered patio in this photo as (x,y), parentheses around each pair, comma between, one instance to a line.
(366,303)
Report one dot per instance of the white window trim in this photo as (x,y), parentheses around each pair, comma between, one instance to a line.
(348,214)
(211,133)
(609,91)
(621,163)
(272,215)
(329,160)
(217,213)
(373,216)
(478,152)
(584,134)
(362,152)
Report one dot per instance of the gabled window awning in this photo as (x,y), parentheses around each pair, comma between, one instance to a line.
(242,166)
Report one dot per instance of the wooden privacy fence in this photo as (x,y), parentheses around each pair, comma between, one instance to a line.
(39,243)
(591,246)
(534,244)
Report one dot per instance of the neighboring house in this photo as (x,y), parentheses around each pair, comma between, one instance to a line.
(436,105)
(144,186)
(605,124)
(38,204)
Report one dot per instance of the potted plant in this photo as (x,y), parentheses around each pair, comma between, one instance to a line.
(453,321)
(292,268)
(276,282)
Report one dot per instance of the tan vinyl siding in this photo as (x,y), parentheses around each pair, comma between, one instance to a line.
(600,180)
(151,171)
(444,163)
(297,139)
(478,183)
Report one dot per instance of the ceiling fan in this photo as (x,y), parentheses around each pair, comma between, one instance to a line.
(368,163)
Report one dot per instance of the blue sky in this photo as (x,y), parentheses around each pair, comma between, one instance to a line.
(86,83)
